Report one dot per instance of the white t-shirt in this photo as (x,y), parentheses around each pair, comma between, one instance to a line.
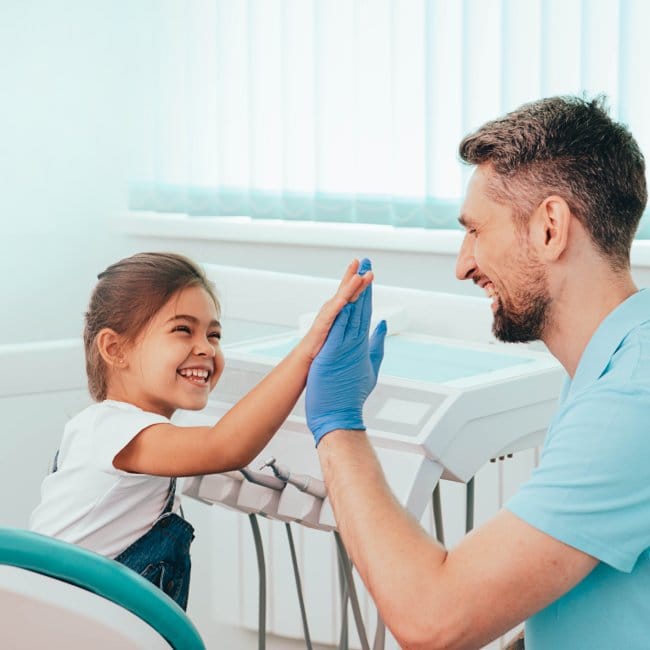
(89,502)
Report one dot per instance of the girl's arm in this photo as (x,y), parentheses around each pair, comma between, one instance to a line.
(237,438)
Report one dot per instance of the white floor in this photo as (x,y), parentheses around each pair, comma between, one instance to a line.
(224,637)
(219,635)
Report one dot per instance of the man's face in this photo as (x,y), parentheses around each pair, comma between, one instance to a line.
(497,255)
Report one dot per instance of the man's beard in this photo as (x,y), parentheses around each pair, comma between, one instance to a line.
(528,319)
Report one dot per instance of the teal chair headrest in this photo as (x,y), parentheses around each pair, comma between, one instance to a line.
(104,577)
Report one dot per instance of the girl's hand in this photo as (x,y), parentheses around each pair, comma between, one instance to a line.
(355,279)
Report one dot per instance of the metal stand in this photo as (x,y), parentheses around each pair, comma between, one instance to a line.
(261,624)
(469,506)
(437,514)
(351,592)
(294,562)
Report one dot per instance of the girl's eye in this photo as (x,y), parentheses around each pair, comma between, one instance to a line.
(215,335)
(182,328)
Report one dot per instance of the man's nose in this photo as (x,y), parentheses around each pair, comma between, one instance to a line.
(465,263)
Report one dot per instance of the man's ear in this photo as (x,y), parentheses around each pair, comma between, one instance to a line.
(549,226)
(112,348)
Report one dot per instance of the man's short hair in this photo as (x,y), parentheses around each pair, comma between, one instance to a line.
(570,147)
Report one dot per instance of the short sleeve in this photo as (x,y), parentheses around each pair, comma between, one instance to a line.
(115,426)
(591,489)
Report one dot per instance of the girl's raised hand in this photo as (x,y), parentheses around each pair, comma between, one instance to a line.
(356,278)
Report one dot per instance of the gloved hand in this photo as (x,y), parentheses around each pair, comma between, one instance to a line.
(345,370)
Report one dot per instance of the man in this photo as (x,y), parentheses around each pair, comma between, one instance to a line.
(550,214)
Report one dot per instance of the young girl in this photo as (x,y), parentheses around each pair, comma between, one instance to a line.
(152,344)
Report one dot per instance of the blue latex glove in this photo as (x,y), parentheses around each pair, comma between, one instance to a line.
(345,370)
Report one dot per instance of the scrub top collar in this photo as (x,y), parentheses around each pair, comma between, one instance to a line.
(607,338)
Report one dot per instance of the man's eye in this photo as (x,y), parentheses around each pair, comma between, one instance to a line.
(182,328)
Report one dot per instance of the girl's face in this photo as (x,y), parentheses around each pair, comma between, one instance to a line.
(177,359)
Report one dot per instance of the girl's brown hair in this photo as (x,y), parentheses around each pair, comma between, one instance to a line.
(128,295)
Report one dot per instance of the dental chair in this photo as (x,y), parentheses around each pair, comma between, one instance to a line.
(57,595)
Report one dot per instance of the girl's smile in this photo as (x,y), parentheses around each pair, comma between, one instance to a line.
(198,376)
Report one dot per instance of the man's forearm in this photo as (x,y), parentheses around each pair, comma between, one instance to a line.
(396,559)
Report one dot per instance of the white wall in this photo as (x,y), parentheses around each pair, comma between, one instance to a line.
(68,73)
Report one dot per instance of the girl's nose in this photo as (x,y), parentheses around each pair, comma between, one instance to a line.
(204,348)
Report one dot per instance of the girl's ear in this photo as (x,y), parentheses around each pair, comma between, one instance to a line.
(111,346)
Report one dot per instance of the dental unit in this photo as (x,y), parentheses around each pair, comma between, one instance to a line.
(448,400)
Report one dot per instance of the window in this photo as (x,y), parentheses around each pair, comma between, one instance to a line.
(352,110)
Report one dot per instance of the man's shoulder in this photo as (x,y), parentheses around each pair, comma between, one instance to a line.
(621,392)
(631,360)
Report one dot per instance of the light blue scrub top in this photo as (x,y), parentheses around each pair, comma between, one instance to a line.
(592,490)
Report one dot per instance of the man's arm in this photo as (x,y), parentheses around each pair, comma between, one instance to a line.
(499,574)
(430,598)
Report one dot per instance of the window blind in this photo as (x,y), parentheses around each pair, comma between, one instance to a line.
(352,110)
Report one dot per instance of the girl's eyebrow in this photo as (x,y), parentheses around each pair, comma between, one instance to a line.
(193,319)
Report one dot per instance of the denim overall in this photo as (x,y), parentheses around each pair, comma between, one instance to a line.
(162,555)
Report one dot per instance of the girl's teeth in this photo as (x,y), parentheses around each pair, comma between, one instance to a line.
(194,372)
